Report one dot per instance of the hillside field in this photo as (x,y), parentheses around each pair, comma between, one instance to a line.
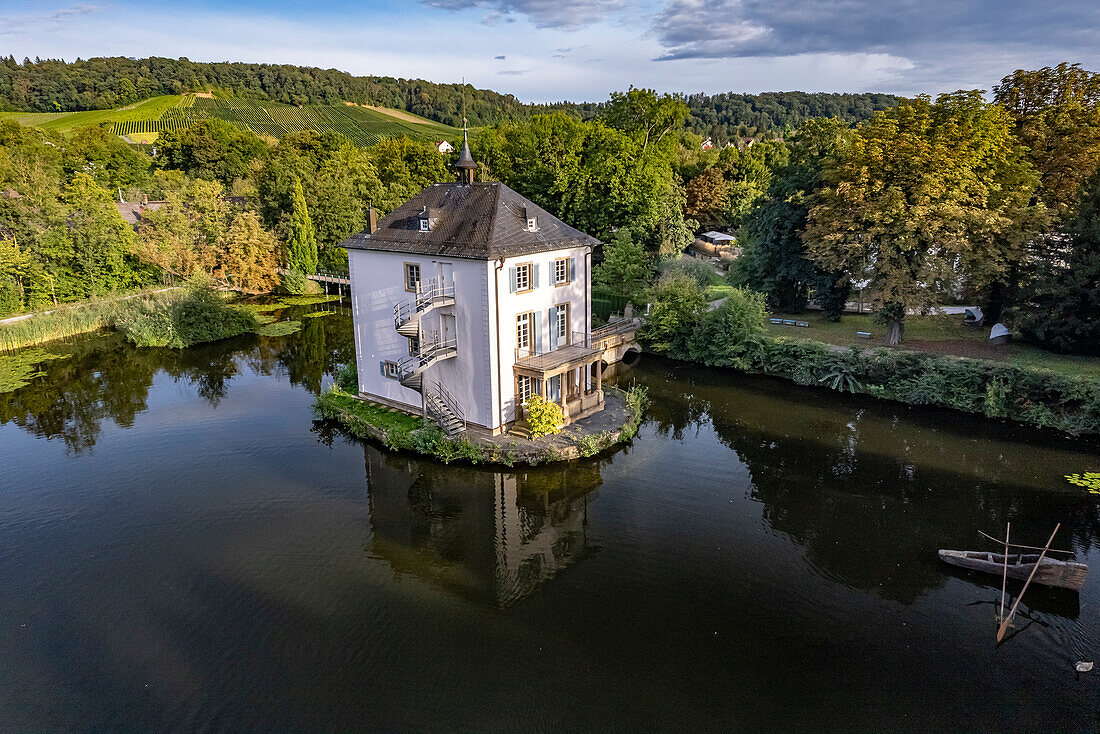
(142,122)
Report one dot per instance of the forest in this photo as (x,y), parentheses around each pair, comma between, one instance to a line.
(955,199)
(48,85)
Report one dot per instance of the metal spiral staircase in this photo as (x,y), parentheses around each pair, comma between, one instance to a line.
(439,404)
(432,295)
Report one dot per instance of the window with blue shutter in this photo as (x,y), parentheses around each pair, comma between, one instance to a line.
(536,332)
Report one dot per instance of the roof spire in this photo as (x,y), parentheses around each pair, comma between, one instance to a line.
(466,163)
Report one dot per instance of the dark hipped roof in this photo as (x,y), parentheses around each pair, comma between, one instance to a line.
(482,221)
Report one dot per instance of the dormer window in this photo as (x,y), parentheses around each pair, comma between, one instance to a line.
(532,224)
(428,219)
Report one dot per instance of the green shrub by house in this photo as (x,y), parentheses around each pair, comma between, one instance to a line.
(544,417)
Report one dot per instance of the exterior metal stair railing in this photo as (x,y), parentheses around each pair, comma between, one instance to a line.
(411,368)
(433,293)
(447,411)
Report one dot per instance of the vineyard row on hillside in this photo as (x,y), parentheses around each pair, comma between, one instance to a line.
(362,126)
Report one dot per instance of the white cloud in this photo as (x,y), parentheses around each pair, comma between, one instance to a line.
(74,10)
(706,46)
(561,14)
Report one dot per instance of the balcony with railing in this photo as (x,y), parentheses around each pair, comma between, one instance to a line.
(577,351)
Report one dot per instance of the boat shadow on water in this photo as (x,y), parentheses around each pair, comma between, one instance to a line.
(1065,603)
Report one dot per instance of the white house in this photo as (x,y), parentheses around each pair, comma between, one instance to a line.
(443,146)
(467,299)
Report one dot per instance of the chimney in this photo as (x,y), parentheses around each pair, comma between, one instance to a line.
(145,199)
(372,220)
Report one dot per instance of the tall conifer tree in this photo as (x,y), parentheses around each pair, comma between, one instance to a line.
(301,248)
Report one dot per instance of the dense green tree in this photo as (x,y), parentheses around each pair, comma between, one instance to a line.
(301,244)
(213,150)
(105,157)
(724,336)
(774,259)
(99,243)
(923,195)
(592,176)
(404,168)
(645,115)
(1056,114)
(625,268)
(339,182)
(1061,309)
(676,305)
(749,173)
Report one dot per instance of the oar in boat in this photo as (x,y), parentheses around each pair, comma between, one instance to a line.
(1004,580)
(1012,612)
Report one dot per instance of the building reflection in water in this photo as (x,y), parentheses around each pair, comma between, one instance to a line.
(488,536)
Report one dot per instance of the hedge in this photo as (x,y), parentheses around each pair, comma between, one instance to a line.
(1028,395)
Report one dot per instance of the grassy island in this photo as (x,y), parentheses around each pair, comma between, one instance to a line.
(401,431)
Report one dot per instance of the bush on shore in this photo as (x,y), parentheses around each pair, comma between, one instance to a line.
(734,335)
(295,283)
(996,390)
(201,316)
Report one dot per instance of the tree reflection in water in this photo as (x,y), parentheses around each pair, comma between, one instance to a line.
(105,378)
(872,489)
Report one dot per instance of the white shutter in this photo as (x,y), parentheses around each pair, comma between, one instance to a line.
(572,269)
(553,329)
(511,280)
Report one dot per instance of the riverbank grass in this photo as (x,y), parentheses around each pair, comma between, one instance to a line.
(67,321)
(400,431)
(396,429)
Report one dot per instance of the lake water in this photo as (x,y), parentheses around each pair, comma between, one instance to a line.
(182,547)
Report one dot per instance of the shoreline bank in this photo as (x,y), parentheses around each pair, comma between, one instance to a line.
(396,430)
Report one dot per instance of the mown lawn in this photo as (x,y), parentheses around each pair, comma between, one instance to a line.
(935,334)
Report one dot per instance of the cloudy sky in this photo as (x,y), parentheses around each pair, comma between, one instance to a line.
(545,50)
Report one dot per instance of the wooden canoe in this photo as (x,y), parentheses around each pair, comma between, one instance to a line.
(1067,574)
